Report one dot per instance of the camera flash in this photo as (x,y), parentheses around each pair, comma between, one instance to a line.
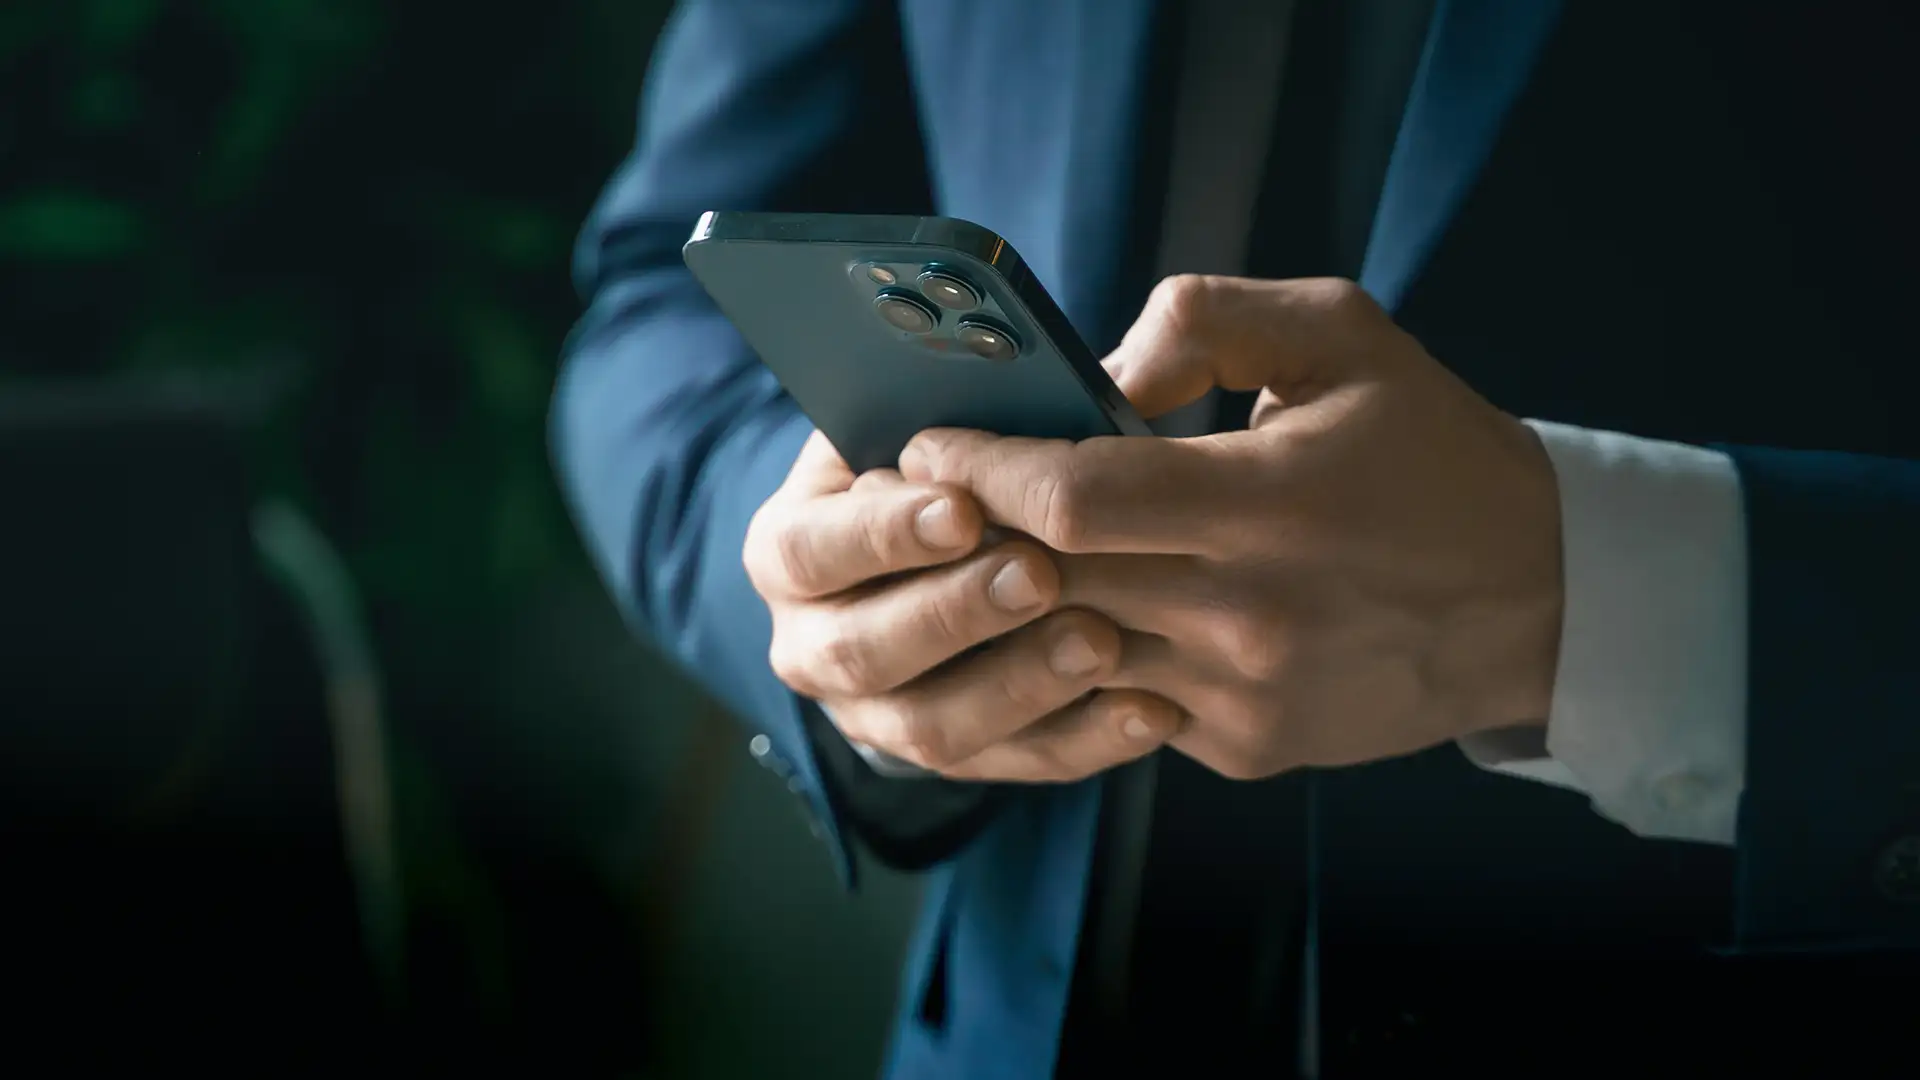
(880,275)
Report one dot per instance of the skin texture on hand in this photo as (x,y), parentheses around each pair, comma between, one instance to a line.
(925,642)
(1372,569)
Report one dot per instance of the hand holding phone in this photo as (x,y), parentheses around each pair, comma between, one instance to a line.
(920,638)
(950,656)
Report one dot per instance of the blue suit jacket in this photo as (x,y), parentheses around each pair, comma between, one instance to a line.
(1577,217)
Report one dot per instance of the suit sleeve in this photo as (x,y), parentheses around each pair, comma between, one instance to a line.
(1829,828)
(667,432)
(1741,664)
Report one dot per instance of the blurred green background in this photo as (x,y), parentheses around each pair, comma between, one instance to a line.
(355,216)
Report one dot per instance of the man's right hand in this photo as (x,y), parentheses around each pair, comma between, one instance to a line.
(877,587)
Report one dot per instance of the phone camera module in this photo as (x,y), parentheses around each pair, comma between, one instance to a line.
(986,340)
(905,311)
(949,291)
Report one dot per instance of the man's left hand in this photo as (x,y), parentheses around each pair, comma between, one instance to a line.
(1371,569)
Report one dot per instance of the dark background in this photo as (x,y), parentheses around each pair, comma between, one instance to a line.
(315,726)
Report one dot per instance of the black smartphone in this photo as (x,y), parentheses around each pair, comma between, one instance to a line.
(881,326)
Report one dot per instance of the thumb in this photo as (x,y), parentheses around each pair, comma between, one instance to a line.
(1198,332)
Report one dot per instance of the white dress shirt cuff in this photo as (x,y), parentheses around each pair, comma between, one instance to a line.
(1649,702)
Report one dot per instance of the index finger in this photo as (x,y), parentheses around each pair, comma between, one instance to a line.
(1113,494)
(1199,332)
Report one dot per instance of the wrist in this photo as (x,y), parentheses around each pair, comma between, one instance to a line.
(1507,666)
(1512,650)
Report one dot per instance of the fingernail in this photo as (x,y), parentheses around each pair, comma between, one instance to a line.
(1136,728)
(937,525)
(1012,589)
(1073,657)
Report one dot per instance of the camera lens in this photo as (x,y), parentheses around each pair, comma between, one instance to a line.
(949,291)
(986,340)
(905,311)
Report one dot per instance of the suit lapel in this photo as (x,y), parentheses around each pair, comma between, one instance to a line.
(1102,148)
(1032,111)
(1478,58)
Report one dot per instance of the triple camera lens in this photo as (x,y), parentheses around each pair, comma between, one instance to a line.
(917,313)
(985,340)
(949,291)
(906,311)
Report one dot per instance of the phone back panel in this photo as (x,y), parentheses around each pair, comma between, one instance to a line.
(803,290)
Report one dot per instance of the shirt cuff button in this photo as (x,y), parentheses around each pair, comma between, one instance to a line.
(1682,793)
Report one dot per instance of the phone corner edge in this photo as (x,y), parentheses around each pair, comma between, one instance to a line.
(702,230)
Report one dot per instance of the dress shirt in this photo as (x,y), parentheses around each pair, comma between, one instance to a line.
(1649,700)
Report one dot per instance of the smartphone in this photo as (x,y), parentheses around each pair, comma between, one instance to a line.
(881,326)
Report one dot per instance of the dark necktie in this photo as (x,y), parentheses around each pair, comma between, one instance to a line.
(1218,972)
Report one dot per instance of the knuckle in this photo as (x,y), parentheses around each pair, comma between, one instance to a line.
(854,719)
(876,480)
(792,663)
(924,742)
(1255,647)
(1179,301)
(952,616)
(921,458)
(792,550)
(881,530)
(1058,504)
(839,663)
(1345,297)
(759,552)
(1099,632)
(1338,290)
(788,668)
(1031,690)
(885,723)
